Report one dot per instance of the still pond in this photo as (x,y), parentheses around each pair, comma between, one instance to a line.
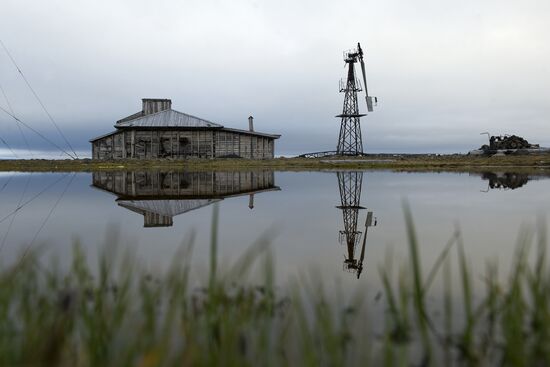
(316,221)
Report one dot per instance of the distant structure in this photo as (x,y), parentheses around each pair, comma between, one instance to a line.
(508,144)
(158,131)
(350,141)
(160,196)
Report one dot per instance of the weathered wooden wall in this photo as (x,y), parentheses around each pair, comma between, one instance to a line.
(146,144)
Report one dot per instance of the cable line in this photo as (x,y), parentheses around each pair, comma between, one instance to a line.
(6,144)
(7,182)
(15,215)
(51,212)
(21,131)
(34,197)
(36,132)
(28,248)
(18,125)
(37,98)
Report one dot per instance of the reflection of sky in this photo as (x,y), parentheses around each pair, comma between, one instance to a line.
(16,153)
(303,214)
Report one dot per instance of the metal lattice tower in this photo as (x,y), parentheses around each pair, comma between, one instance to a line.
(350,141)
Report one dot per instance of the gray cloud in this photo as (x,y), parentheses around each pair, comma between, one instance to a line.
(444,71)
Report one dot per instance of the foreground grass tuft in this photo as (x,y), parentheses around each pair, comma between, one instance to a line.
(119,314)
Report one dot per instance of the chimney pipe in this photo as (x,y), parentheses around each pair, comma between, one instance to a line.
(250,123)
(154,105)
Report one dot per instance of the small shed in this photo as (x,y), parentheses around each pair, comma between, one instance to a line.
(158,131)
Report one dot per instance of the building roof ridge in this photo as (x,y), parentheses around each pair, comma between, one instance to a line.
(165,118)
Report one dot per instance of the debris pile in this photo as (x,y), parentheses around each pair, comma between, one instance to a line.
(508,144)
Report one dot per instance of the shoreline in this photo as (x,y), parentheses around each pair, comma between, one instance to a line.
(396,162)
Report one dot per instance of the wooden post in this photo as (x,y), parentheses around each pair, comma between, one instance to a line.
(178,144)
(133,144)
(133,183)
(212,148)
(172,143)
(123,144)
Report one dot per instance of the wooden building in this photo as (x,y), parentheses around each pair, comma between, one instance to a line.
(160,196)
(158,131)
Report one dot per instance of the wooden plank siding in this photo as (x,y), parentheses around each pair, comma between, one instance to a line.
(179,144)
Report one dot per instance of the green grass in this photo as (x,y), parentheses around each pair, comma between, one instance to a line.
(419,162)
(120,314)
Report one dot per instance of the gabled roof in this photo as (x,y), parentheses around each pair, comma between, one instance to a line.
(167,118)
(103,136)
(255,133)
(131,117)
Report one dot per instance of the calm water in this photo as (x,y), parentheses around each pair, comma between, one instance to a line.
(306,213)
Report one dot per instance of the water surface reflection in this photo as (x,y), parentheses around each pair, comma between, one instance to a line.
(350,184)
(312,213)
(160,196)
(510,180)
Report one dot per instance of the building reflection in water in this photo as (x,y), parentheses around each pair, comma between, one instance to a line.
(350,184)
(160,196)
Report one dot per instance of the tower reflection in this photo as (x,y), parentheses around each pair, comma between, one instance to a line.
(350,184)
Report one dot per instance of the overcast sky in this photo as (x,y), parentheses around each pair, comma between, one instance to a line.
(444,71)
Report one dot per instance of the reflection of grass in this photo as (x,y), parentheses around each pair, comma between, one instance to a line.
(123,315)
(461,163)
